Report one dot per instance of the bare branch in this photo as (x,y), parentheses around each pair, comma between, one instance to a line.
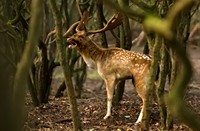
(53,32)
(78,7)
(138,40)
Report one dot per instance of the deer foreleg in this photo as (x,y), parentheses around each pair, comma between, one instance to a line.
(110,86)
(109,106)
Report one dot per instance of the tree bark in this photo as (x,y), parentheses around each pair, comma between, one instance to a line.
(43,75)
(161,86)
(33,92)
(119,91)
(65,66)
(150,85)
(100,17)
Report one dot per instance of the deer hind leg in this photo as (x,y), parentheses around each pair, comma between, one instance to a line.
(140,85)
(139,120)
(110,86)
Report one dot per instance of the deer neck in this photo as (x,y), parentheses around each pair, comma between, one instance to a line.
(91,53)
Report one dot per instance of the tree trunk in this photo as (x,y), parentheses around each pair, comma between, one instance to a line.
(61,89)
(161,86)
(146,49)
(65,66)
(80,77)
(33,92)
(100,18)
(173,72)
(150,85)
(43,75)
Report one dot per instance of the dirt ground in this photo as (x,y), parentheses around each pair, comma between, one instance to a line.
(55,116)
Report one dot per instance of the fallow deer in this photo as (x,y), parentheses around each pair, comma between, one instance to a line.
(112,64)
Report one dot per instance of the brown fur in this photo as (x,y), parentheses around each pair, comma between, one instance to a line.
(113,64)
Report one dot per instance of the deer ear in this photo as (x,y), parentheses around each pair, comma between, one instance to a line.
(82,33)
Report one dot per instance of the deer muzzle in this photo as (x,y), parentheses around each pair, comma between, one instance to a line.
(71,43)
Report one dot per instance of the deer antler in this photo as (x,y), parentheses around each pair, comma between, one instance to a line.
(65,35)
(111,24)
(70,29)
(83,21)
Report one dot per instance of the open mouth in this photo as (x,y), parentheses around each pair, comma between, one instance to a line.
(71,43)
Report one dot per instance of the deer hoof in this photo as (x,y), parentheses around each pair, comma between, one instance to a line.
(137,123)
(106,116)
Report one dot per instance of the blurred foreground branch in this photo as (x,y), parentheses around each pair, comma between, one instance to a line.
(25,63)
(175,99)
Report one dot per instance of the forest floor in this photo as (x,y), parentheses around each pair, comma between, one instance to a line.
(56,116)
